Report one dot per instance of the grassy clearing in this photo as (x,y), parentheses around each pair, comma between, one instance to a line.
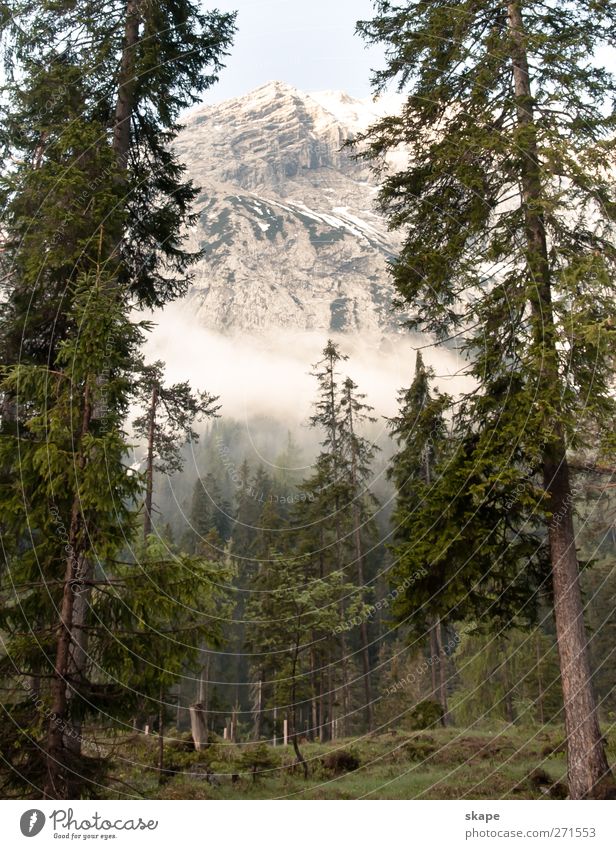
(507,763)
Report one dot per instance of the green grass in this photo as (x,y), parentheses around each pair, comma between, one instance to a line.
(442,763)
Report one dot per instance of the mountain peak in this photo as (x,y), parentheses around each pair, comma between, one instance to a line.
(287,218)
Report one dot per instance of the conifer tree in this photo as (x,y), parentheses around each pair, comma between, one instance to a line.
(508,214)
(65,423)
(209,511)
(359,453)
(286,614)
(420,431)
(83,83)
(166,425)
(90,108)
(328,485)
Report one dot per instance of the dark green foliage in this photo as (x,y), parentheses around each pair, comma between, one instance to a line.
(209,511)
(170,413)
(259,759)
(341,761)
(426,714)
(95,205)
(464,269)
(76,85)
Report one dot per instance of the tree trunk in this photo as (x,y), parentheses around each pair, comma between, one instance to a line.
(76,671)
(127,82)
(58,771)
(57,784)
(161,736)
(540,696)
(442,671)
(149,480)
(346,696)
(204,687)
(434,658)
(233,726)
(294,733)
(587,763)
(322,726)
(359,557)
(363,627)
(314,696)
(507,685)
(198,726)
(257,707)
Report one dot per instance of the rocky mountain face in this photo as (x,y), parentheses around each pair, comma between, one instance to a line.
(286,216)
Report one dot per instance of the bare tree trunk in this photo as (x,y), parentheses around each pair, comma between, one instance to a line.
(346,700)
(161,736)
(442,671)
(258,707)
(294,732)
(363,627)
(204,687)
(507,685)
(322,726)
(314,697)
(233,726)
(587,763)
(76,671)
(198,726)
(434,657)
(331,696)
(149,481)
(540,696)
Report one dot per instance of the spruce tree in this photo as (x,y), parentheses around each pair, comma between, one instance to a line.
(359,453)
(209,511)
(507,210)
(289,611)
(90,109)
(420,431)
(166,425)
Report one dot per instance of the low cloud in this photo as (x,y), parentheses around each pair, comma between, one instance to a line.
(268,373)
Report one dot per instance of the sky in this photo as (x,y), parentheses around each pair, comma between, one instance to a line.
(311,45)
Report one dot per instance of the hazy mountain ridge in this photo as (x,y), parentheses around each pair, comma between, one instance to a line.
(287,216)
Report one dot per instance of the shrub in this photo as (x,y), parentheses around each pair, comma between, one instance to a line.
(341,761)
(426,714)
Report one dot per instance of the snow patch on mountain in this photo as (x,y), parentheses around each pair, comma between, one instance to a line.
(287,221)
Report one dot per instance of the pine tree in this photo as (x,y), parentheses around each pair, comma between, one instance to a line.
(289,610)
(328,487)
(359,453)
(67,451)
(209,511)
(508,214)
(332,523)
(167,424)
(89,119)
(421,432)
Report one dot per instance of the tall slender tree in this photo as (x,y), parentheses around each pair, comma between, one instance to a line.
(508,211)
(166,425)
(421,434)
(359,453)
(90,108)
